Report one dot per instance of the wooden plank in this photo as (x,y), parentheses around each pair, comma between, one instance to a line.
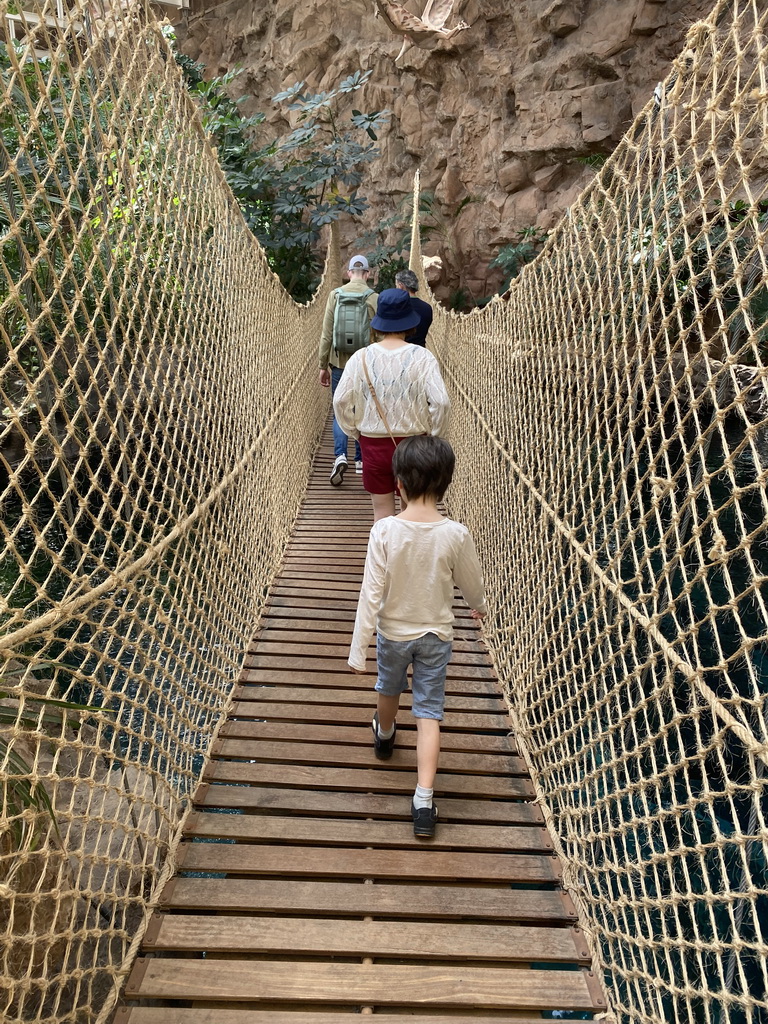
(218,1015)
(378,899)
(371,780)
(305,554)
(335,575)
(485,710)
(347,755)
(317,628)
(322,603)
(324,937)
(476,702)
(315,593)
(290,612)
(495,759)
(245,709)
(316,513)
(326,539)
(300,558)
(317,510)
(372,984)
(323,640)
(323,650)
(317,603)
(286,593)
(339,664)
(312,831)
(332,587)
(324,520)
(312,802)
(349,687)
(428,864)
(320,491)
(300,571)
(321,861)
(332,503)
(348,680)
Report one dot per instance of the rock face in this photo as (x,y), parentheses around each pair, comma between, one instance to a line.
(500,119)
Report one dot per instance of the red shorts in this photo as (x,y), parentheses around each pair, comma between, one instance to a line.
(377,464)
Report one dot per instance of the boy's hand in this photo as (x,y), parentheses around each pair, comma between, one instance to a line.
(325,378)
(475,614)
(358,671)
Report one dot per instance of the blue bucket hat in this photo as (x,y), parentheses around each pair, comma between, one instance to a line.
(394,312)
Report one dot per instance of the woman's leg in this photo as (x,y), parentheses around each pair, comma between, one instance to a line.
(383,505)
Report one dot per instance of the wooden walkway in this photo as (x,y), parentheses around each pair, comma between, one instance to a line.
(302,896)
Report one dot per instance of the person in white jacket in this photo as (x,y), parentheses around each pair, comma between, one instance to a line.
(390,390)
(413,562)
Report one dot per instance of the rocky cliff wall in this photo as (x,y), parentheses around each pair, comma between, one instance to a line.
(500,119)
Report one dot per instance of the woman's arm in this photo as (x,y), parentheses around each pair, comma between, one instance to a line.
(344,402)
(437,397)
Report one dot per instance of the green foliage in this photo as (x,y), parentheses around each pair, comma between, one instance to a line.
(387,258)
(235,137)
(459,300)
(70,209)
(716,260)
(512,258)
(595,160)
(390,257)
(290,188)
(22,793)
(83,211)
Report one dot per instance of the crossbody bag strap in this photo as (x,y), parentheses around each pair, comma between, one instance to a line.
(375,398)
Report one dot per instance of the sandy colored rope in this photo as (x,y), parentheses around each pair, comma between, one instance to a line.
(158,412)
(568,533)
(159,406)
(612,412)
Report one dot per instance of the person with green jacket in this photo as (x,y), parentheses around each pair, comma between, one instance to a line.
(333,360)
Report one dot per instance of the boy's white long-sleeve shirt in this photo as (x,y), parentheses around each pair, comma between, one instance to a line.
(410,572)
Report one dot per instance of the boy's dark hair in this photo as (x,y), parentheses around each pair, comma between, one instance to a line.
(424,466)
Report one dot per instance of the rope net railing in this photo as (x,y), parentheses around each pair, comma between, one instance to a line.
(158,410)
(159,404)
(611,427)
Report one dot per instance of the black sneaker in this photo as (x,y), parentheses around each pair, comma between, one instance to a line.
(424,821)
(382,748)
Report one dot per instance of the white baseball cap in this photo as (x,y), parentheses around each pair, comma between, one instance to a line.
(358,263)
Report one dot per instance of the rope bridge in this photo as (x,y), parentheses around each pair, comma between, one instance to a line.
(159,410)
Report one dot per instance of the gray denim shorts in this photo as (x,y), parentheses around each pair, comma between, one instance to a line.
(429,656)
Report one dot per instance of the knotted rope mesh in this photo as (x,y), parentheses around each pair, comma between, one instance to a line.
(159,405)
(158,408)
(611,428)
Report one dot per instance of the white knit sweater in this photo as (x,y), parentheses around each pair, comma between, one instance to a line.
(409,387)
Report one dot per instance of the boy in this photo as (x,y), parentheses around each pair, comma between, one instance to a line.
(414,559)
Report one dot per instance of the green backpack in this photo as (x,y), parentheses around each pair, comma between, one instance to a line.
(351,321)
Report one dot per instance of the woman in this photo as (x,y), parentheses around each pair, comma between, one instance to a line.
(389,390)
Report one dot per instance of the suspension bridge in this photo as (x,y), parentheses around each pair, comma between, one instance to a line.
(194,826)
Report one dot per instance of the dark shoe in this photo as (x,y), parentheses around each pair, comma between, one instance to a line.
(382,748)
(424,821)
